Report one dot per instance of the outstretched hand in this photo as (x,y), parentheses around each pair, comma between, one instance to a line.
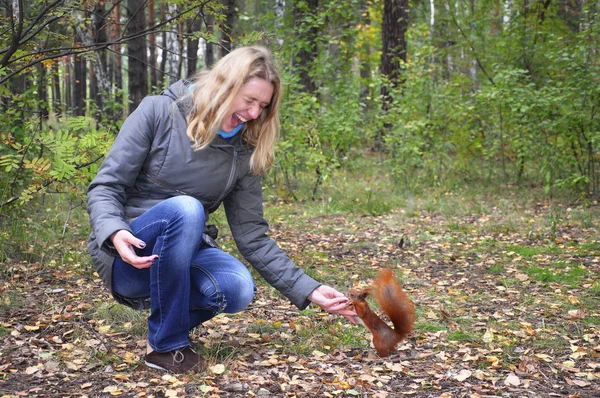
(125,243)
(332,301)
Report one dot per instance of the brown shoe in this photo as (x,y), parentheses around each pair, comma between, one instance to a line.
(180,360)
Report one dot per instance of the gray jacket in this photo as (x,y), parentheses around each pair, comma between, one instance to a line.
(152,159)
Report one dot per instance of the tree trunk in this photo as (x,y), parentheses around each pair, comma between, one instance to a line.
(79,84)
(69,79)
(209,51)
(393,30)
(307,53)
(227,27)
(173,49)
(152,47)
(101,84)
(165,51)
(42,88)
(56,97)
(393,54)
(192,46)
(364,56)
(280,14)
(138,60)
(116,69)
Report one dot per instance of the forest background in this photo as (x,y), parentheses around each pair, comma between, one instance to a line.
(383,99)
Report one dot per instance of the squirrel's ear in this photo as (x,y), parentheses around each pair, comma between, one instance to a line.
(364,294)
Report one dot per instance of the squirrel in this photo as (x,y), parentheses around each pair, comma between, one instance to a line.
(394,303)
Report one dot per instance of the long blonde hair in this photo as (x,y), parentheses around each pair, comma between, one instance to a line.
(214,91)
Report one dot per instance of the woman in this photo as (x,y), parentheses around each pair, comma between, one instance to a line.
(176,159)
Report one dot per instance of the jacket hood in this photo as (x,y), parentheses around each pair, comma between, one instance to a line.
(179,92)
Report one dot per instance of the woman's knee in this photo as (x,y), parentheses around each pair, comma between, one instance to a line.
(187,208)
(240,293)
(229,289)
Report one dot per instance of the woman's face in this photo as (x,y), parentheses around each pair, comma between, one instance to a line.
(249,103)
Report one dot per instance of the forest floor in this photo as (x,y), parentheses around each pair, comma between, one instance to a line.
(508,305)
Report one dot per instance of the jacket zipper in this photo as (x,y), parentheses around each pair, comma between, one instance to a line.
(231,177)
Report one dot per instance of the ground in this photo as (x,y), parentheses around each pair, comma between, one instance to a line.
(507,305)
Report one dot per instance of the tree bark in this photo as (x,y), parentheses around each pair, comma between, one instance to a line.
(209,51)
(137,49)
(193,46)
(307,54)
(100,36)
(42,93)
(227,27)
(152,47)
(173,50)
(116,69)
(393,54)
(79,84)
(56,97)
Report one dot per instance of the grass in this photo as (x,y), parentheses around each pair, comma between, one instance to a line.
(122,319)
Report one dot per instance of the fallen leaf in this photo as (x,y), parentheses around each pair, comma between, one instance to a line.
(463,375)
(218,369)
(31,370)
(512,380)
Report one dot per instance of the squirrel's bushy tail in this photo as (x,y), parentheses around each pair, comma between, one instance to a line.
(394,302)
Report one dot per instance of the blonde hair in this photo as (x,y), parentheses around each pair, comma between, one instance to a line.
(214,91)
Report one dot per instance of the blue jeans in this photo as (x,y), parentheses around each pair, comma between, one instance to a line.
(190,282)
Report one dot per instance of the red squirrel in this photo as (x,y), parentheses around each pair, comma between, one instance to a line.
(394,303)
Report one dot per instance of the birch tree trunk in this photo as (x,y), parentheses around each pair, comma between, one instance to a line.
(172,49)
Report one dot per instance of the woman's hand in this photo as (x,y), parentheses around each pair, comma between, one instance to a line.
(124,242)
(332,301)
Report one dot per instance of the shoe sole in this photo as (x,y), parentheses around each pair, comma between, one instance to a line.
(155,366)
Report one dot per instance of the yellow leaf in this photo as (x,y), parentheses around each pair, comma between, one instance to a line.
(488,336)
(544,357)
(104,329)
(218,369)
(170,379)
(112,390)
(31,328)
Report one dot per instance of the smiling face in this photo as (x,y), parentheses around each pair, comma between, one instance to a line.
(254,96)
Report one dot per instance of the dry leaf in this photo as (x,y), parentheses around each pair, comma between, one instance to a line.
(463,375)
(512,380)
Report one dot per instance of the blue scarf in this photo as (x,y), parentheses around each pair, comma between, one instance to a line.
(233,132)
